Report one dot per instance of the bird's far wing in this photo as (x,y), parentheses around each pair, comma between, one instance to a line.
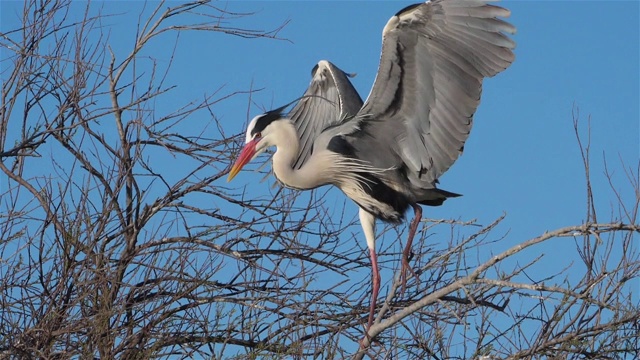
(434,58)
(329,99)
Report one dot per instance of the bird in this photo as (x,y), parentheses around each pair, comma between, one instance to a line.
(388,152)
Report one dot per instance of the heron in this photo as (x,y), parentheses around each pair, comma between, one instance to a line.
(387,152)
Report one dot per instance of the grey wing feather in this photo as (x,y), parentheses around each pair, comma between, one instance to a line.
(434,58)
(329,99)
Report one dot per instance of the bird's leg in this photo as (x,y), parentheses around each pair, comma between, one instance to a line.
(376,286)
(407,249)
(368,222)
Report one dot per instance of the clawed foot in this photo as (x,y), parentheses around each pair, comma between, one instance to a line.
(406,270)
(407,253)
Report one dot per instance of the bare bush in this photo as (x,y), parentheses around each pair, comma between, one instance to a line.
(108,252)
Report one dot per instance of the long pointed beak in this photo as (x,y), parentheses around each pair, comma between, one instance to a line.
(246,155)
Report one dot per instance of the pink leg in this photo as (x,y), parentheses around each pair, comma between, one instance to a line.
(376,286)
(407,249)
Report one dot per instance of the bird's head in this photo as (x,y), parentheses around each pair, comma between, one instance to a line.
(260,133)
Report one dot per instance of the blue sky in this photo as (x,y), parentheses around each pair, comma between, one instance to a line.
(522,157)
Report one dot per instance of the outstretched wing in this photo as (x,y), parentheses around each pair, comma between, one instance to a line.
(434,58)
(329,99)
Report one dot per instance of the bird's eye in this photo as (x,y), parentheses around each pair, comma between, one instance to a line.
(257,135)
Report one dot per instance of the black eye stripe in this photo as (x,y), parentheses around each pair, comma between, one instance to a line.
(265,120)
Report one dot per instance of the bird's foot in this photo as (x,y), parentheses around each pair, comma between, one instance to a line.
(407,253)
(405,271)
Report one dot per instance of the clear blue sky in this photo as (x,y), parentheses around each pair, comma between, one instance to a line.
(522,157)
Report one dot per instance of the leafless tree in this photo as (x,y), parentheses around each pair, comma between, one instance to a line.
(107,252)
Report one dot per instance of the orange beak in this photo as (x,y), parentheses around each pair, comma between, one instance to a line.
(246,155)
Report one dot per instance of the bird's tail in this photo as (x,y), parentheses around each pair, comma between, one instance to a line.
(435,197)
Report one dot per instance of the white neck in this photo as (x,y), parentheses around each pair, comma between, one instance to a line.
(285,138)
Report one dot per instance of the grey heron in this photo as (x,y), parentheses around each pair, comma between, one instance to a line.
(388,153)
